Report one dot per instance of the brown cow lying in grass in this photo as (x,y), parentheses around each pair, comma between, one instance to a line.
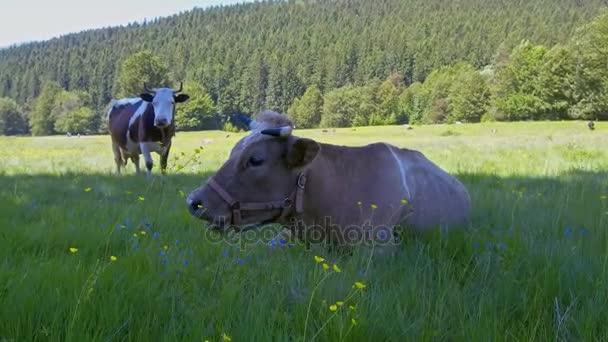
(342,192)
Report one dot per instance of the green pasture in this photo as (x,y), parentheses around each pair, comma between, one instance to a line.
(86,255)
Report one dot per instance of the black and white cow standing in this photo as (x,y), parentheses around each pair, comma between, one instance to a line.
(143,125)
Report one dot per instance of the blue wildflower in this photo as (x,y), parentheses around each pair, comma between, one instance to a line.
(583,232)
(362,271)
(476,245)
(161,253)
(132,238)
(187,263)
(136,246)
(501,245)
(239,261)
(283,242)
(225,254)
(190,252)
(155,235)
(176,242)
(165,261)
(248,258)
(568,230)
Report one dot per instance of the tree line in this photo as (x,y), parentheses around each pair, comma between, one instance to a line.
(326,63)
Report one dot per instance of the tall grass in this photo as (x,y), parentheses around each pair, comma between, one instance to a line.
(533,265)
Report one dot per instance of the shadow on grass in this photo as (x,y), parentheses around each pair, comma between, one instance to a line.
(533,241)
(536,204)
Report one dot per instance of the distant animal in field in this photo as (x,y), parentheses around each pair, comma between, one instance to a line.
(143,125)
(272,176)
(591,125)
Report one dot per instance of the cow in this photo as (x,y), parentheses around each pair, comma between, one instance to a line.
(136,127)
(272,176)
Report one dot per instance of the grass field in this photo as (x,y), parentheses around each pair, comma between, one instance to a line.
(533,265)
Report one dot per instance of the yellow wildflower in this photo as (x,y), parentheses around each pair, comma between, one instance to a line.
(134,235)
(113,258)
(325,266)
(352,307)
(318,259)
(181,193)
(128,192)
(73,250)
(352,320)
(404,201)
(87,190)
(143,232)
(360,285)
(199,206)
(165,247)
(141,198)
(359,203)
(603,197)
(374,206)
(333,307)
(337,269)
(226,338)
(340,303)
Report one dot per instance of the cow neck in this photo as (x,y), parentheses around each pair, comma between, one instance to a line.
(286,205)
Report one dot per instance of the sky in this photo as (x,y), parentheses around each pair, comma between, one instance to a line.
(35,20)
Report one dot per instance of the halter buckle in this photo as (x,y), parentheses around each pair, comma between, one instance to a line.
(301,181)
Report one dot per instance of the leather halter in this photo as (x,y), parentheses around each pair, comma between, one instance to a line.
(296,197)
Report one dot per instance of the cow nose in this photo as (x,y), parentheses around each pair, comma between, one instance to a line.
(161,122)
(195,206)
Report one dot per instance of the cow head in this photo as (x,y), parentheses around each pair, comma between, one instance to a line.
(164,100)
(261,173)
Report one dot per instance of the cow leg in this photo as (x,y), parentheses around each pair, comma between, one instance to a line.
(145,150)
(135,160)
(117,157)
(163,158)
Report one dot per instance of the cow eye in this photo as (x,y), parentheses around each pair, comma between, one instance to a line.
(256,161)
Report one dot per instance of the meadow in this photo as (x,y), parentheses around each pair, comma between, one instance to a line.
(90,256)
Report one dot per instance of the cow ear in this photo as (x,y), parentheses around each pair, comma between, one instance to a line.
(147,97)
(301,152)
(181,98)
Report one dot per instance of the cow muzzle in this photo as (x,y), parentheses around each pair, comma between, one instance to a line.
(286,206)
(161,123)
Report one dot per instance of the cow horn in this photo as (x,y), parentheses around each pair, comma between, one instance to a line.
(147,89)
(281,132)
(181,87)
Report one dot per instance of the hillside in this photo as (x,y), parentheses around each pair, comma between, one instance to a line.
(265,54)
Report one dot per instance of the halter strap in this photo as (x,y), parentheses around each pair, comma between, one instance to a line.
(296,196)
